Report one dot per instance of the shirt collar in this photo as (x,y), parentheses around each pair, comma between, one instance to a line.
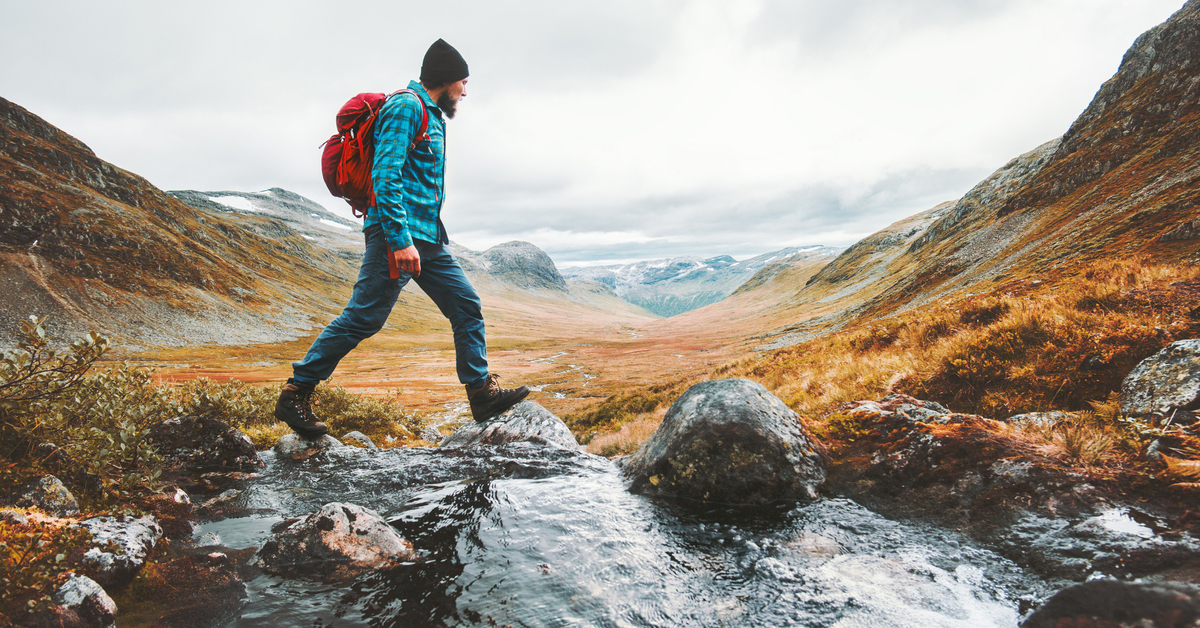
(424,95)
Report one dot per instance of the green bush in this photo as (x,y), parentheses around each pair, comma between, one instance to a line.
(102,421)
(35,559)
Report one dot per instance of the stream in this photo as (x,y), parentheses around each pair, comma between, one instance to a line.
(522,535)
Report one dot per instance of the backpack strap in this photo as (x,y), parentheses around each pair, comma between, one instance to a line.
(421,134)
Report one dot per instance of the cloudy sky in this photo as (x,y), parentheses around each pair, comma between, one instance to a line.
(598,130)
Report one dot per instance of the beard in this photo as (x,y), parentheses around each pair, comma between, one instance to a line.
(448,106)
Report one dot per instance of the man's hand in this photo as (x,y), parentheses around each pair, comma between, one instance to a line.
(407,260)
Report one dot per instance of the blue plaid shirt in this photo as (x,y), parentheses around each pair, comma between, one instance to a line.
(409,185)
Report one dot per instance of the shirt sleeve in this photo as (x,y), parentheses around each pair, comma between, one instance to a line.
(394,131)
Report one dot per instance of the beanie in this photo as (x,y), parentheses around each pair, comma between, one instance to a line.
(442,64)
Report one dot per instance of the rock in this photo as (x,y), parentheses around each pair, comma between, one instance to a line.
(527,421)
(1165,383)
(1112,604)
(295,447)
(119,547)
(1040,419)
(79,603)
(172,509)
(198,591)
(13,517)
(47,494)
(192,446)
(431,434)
(62,465)
(729,441)
(361,439)
(338,541)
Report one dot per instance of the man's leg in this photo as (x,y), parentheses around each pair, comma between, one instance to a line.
(444,281)
(374,295)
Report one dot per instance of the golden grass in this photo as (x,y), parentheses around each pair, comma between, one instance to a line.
(1060,343)
(626,440)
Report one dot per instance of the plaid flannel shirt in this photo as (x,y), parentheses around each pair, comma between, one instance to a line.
(409,185)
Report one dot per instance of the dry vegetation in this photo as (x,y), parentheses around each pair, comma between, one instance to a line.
(1062,343)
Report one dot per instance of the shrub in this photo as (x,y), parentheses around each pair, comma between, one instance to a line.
(102,421)
(35,559)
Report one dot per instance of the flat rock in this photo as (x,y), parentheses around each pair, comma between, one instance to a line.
(192,446)
(729,441)
(296,447)
(119,547)
(362,439)
(527,421)
(338,541)
(1164,383)
(47,494)
(1112,604)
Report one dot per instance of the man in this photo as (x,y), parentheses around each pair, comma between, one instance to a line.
(404,230)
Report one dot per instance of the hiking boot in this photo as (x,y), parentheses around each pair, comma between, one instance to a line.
(490,399)
(295,408)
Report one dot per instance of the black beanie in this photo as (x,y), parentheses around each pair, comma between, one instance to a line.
(442,64)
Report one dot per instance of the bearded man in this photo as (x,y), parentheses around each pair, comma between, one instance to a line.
(404,231)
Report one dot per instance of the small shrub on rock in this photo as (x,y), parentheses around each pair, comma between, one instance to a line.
(35,559)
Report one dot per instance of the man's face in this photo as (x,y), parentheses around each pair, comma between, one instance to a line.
(447,101)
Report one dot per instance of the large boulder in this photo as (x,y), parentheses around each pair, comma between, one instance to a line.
(338,541)
(729,441)
(1112,604)
(119,547)
(192,446)
(526,421)
(1165,383)
(47,494)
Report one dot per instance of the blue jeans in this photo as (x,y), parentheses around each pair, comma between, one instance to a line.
(375,294)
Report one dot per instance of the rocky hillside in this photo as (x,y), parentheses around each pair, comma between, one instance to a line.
(673,286)
(93,246)
(311,220)
(1121,182)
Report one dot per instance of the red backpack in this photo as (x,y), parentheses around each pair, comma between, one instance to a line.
(349,154)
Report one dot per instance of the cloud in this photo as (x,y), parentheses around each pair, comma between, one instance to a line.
(616,129)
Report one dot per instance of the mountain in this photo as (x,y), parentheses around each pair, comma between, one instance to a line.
(1122,182)
(93,246)
(311,220)
(668,287)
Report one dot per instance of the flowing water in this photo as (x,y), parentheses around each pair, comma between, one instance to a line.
(520,535)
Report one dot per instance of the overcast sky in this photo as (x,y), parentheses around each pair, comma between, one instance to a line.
(597,130)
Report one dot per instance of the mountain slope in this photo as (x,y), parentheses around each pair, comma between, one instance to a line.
(1122,182)
(96,247)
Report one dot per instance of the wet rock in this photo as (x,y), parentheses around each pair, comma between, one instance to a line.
(13,517)
(527,421)
(192,446)
(47,494)
(1112,604)
(1166,383)
(172,509)
(223,481)
(431,434)
(119,547)
(295,447)
(338,541)
(79,603)
(362,439)
(964,471)
(200,591)
(729,441)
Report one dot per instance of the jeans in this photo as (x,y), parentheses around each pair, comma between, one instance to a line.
(375,294)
